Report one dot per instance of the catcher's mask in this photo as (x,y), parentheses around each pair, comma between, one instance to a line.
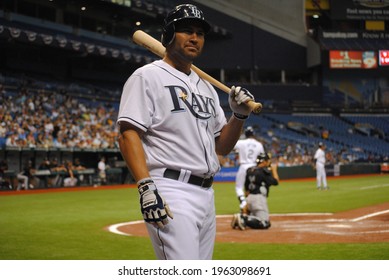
(263,157)
(179,13)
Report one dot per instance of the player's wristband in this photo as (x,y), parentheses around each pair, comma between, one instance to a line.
(240,117)
(146,184)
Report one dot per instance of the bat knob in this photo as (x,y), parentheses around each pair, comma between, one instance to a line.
(257,108)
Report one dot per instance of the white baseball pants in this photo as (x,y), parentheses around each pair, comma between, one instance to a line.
(190,235)
(321,176)
(240,179)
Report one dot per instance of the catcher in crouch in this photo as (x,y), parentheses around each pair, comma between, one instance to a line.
(258,181)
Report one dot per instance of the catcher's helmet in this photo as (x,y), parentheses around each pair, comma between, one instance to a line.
(263,157)
(249,131)
(181,12)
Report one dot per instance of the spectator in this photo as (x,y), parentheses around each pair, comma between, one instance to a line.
(3,130)
(30,140)
(12,141)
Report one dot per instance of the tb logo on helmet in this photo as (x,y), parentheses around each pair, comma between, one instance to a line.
(181,12)
(195,12)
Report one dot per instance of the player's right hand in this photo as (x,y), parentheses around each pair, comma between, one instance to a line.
(238,97)
(154,208)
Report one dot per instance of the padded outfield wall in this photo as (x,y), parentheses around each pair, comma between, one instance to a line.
(227,174)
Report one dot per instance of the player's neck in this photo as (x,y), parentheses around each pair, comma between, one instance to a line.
(180,65)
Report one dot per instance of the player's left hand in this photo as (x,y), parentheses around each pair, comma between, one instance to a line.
(238,98)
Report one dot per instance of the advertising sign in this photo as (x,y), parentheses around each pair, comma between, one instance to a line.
(383,57)
(353,59)
(360,9)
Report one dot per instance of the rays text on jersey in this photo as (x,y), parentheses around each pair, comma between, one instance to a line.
(199,106)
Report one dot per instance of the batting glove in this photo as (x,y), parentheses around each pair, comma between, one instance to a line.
(238,98)
(154,208)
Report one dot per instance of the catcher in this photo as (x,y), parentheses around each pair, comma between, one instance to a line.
(257,184)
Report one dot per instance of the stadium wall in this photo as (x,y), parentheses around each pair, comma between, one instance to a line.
(16,159)
(227,174)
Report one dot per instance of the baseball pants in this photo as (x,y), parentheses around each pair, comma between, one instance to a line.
(257,205)
(190,235)
(240,179)
(321,176)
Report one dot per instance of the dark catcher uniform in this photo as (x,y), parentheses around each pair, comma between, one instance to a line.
(257,185)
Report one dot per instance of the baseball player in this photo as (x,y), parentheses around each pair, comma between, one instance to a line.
(257,184)
(248,150)
(172,128)
(320,162)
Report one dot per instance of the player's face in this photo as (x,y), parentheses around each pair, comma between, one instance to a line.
(189,41)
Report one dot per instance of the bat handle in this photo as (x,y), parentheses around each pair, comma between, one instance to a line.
(255,107)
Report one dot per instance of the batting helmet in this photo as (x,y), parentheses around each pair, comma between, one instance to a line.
(181,12)
(249,131)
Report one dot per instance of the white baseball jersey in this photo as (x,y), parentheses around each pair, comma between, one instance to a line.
(321,176)
(320,157)
(248,150)
(180,114)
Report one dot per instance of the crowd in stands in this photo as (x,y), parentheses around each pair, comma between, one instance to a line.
(52,120)
(41,118)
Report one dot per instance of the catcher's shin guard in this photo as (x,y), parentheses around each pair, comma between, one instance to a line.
(254,223)
(234,221)
(238,222)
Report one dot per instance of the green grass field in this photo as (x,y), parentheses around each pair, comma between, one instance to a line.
(70,225)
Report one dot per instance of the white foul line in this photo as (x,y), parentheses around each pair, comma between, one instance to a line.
(374,187)
(369,216)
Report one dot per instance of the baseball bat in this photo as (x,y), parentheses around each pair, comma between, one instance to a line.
(143,39)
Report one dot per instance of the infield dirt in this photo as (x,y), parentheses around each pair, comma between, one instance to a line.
(368,224)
